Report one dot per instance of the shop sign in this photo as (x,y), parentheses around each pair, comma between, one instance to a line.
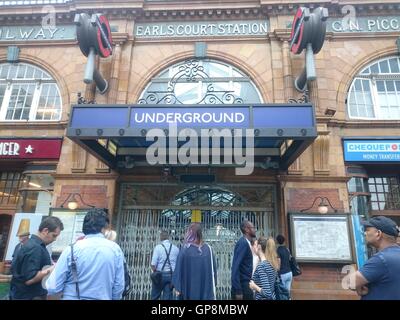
(37,33)
(201,29)
(364,24)
(257,116)
(30,148)
(191,117)
(372,150)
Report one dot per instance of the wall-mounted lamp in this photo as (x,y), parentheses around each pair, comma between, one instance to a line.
(73,203)
(322,206)
(330,112)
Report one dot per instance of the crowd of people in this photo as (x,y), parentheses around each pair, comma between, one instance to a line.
(94,267)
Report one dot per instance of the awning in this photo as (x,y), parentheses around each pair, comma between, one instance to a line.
(116,134)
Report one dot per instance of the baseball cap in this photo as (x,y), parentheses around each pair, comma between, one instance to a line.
(384,224)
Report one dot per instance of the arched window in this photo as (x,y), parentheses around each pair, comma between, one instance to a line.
(375,91)
(200,82)
(28,93)
(205,196)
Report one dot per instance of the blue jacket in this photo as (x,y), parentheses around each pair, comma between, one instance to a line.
(242,265)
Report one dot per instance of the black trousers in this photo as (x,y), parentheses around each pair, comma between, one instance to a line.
(248,294)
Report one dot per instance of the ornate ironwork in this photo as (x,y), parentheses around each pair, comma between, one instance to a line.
(305,98)
(82,100)
(139,225)
(190,72)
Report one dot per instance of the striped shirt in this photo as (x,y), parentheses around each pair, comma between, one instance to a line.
(265,277)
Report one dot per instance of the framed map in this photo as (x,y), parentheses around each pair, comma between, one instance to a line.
(321,238)
(72,221)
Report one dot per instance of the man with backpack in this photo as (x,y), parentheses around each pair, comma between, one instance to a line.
(163,262)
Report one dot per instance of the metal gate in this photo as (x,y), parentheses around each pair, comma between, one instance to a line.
(139,228)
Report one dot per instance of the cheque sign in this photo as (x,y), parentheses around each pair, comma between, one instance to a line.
(372,150)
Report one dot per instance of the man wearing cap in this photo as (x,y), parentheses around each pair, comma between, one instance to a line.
(23,237)
(379,277)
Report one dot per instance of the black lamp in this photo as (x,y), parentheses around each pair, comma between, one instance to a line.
(322,206)
(73,203)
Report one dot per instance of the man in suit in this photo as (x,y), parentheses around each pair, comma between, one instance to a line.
(242,263)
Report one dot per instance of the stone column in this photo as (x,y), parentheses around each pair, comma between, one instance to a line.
(313,93)
(113,84)
(287,71)
(321,151)
(79,159)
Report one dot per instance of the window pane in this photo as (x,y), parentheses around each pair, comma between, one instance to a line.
(21,71)
(12,72)
(22,94)
(20,102)
(49,103)
(357,85)
(390,86)
(394,65)
(387,194)
(380,85)
(9,185)
(4,71)
(375,68)
(366,71)
(365,84)
(384,66)
(2,91)
(29,73)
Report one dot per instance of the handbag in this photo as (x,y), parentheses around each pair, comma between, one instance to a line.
(296,271)
(281,293)
(156,276)
(128,281)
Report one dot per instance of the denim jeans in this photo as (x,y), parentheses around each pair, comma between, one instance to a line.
(165,290)
(287,280)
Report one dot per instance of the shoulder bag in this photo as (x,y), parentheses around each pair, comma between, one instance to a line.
(296,271)
(281,293)
(74,272)
(156,276)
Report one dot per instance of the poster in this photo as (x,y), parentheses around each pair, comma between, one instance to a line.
(359,241)
(72,221)
(321,238)
(30,221)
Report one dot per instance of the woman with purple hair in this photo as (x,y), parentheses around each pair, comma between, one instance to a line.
(195,275)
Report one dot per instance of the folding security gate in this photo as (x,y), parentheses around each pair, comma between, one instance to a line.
(139,229)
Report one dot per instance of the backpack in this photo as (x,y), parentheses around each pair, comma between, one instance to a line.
(128,281)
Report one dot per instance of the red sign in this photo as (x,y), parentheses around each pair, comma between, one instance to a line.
(30,149)
(308,28)
(104,39)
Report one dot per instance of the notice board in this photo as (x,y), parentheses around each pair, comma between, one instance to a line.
(321,238)
(72,221)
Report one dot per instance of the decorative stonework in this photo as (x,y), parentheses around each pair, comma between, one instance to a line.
(295,168)
(79,158)
(101,167)
(321,153)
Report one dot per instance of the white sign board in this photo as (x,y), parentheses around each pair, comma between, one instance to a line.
(34,221)
(321,238)
(72,221)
